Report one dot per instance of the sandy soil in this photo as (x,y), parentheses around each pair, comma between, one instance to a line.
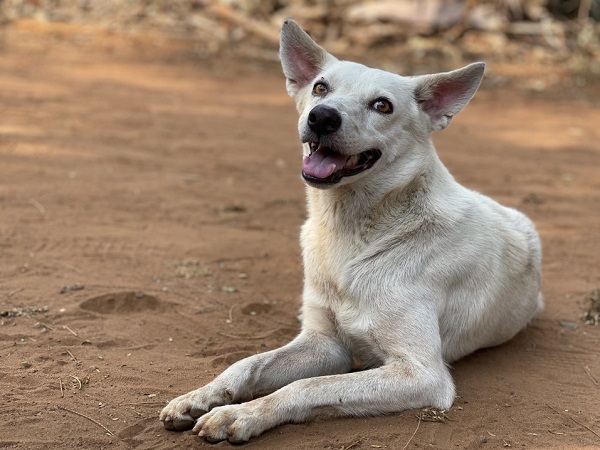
(153,206)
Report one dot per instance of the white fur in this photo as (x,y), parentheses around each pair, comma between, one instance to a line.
(405,269)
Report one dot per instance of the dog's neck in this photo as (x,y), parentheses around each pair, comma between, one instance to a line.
(350,207)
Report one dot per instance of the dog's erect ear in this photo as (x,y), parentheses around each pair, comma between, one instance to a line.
(301,58)
(443,95)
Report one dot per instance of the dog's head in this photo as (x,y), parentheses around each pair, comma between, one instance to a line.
(354,120)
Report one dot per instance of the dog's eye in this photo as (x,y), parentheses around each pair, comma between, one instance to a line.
(383,106)
(320,89)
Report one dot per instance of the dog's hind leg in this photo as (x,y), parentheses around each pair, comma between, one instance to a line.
(311,354)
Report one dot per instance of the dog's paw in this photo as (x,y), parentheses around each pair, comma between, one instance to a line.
(182,412)
(235,423)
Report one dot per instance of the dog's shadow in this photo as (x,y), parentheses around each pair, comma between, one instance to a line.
(506,363)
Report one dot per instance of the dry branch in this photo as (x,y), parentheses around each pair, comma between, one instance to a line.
(260,29)
(110,433)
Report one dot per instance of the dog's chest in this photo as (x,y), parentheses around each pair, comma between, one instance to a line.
(331,263)
(354,326)
(329,257)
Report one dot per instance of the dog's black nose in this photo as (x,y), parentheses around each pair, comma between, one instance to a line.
(324,119)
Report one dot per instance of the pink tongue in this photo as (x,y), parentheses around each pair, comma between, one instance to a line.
(323,163)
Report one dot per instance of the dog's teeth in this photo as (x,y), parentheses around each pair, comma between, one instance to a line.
(351,161)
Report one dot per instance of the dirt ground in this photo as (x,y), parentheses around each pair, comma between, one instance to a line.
(150,212)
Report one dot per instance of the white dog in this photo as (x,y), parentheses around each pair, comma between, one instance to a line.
(405,269)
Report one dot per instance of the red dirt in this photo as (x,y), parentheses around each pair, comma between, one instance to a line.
(126,174)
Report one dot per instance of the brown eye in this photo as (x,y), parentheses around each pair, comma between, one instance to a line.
(320,89)
(383,106)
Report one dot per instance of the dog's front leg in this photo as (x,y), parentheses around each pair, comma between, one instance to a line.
(310,354)
(399,385)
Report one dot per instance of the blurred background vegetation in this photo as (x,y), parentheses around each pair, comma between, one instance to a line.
(556,41)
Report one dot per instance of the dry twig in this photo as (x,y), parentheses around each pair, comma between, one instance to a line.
(73,356)
(413,435)
(78,381)
(37,205)
(354,444)
(578,423)
(433,415)
(13,292)
(589,374)
(231,313)
(585,426)
(137,403)
(263,30)
(45,325)
(110,433)
(262,336)
(69,330)
(67,265)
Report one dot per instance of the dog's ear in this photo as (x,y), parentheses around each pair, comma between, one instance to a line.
(443,95)
(301,58)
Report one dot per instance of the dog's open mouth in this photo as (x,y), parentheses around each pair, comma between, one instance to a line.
(326,166)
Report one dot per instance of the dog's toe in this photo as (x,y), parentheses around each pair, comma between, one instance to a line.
(180,422)
(168,424)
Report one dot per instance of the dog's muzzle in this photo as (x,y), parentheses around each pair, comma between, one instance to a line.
(325,165)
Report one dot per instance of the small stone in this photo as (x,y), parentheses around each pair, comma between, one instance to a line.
(482,439)
(532,199)
(567,324)
(26,364)
(71,287)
